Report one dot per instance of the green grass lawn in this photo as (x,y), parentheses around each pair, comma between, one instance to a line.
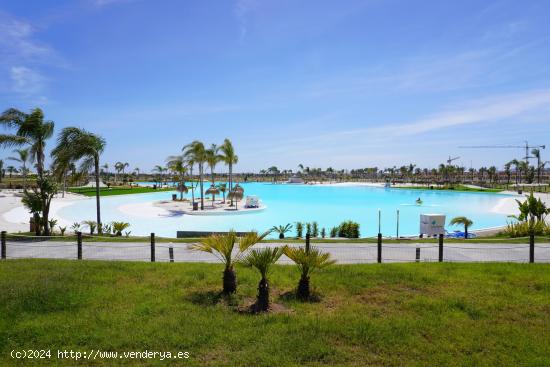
(389,314)
(126,190)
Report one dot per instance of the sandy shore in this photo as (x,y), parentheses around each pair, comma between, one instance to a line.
(14,217)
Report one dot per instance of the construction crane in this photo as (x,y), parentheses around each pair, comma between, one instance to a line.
(450,160)
(527,147)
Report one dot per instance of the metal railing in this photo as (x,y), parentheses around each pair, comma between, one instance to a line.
(83,247)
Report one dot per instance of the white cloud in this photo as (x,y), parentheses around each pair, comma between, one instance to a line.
(26,81)
(242,10)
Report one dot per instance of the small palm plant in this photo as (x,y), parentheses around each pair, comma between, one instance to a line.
(75,227)
(229,249)
(466,222)
(307,262)
(281,230)
(92,225)
(118,227)
(262,260)
(62,230)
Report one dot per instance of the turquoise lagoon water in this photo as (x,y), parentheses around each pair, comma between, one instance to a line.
(328,205)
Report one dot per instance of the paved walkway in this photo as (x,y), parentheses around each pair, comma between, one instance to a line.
(344,253)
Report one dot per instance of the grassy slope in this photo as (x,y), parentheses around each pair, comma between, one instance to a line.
(407,314)
(90,191)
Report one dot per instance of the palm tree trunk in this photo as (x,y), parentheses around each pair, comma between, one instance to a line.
(262,302)
(303,288)
(200,182)
(229,281)
(465,232)
(97,201)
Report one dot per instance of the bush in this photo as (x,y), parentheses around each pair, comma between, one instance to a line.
(315,230)
(333,232)
(299,229)
(525,228)
(348,229)
(323,232)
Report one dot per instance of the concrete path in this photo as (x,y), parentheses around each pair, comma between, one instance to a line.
(344,253)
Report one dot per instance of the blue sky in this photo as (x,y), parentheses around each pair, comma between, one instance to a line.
(323,83)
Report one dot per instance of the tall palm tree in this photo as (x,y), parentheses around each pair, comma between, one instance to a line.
(22,157)
(1,170)
(160,170)
(11,170)
(229,158)
(212,158)
(516,165)
(229,249)
(177,164)
(62,164)
(466,222)
(195,152)
(31,129)
(119,166)
(79,144)
(106,170)
(307,262)
(262,261)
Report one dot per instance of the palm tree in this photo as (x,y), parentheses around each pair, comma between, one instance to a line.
(281,230)
(262,261)
(31,130)
(11,170)
(22,157)
(229,158)
(62,164)
(229,249)
(79,144)
(466,222)
(1,170)
(223,188)
(160,170)
(106,170)
(119,166)
(196,153)
(177,164)
(212,158)
(307,262)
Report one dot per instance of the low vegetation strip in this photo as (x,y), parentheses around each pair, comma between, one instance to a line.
(450,187)
(400,314)
(104,191)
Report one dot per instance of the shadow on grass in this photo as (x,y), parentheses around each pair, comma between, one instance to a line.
(291,296)
(212,298)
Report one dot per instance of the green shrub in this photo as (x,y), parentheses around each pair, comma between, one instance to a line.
(525,228)
(315,230)
(323,232)
(348,229)
(299,229)
(333,232)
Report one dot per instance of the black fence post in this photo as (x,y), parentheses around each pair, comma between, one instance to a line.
(79,245)
(152,247)
(171,253)
(307,242)
(531,248)
(440,248)
(418,254)
(379,247)
(3,244)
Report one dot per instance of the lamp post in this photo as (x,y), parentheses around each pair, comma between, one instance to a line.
(397,224)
